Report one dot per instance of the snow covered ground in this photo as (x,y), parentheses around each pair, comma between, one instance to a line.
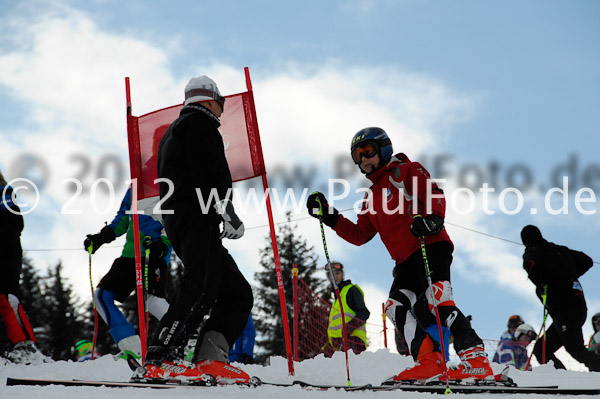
(369,367)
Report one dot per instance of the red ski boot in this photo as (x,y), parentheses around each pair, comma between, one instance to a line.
(223,372)
(428,366)
(474,364)
(163,364)
(174,371)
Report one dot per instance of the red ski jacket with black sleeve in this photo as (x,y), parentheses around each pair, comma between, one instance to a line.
(400,190)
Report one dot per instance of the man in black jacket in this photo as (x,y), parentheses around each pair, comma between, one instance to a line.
(195,193)
(554,269)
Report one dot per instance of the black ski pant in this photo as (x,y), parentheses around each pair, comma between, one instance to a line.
(409,286)
(211,282)
(565,330)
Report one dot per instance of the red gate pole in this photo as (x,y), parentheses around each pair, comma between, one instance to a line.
(384,317)
(284,313)
(295,287)
(133,150)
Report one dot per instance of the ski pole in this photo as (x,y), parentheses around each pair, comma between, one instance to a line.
(435,307)
(337,292)
(93,303)
(544,296)
(147,242)
(542,328)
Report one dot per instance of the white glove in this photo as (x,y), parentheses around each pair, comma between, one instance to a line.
(233,227)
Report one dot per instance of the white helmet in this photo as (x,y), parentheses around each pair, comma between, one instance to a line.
(203,89)
(525,329)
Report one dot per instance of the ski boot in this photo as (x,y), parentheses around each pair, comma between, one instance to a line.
(131,347)
(212,357)
(428,366)
(224,373)
(164,365)
(474,364)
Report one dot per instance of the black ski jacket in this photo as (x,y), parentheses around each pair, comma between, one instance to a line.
(191,155)
(556,267)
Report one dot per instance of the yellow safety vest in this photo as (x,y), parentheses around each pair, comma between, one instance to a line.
(335,317)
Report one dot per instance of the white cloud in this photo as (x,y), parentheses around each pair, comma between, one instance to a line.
(70,74)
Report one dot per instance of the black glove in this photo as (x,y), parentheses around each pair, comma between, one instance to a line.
(233,227)
(106,235)
(158,249)
(430,225)
(319,208)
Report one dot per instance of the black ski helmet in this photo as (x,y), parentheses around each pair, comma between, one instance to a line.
(378,136)
(514,321)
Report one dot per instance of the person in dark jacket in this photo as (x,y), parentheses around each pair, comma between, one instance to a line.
(555,269)
(18,327)
(355,315)
(195,194)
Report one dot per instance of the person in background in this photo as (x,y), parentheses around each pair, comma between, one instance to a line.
(513,322)
(120,281)
(514,351)
(594,345)
(554,270)
(18,328)
(242,350)
(84,350)
(355,314)
(507,337)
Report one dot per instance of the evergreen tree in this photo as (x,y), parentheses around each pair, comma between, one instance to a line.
(293,249)
(32,298)
(30,294)
(64,322)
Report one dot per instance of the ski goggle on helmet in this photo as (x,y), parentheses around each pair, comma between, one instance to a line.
(335,266)
(367,149)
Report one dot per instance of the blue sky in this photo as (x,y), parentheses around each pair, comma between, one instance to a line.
(466,87)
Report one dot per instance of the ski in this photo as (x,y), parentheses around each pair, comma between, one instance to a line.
(309,385)
(78,383)
(415,387)
(207,382)
(440,388)
(488,389)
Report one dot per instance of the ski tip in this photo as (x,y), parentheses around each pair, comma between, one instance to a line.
(255,381)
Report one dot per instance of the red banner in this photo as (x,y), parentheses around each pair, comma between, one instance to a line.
(242,145)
